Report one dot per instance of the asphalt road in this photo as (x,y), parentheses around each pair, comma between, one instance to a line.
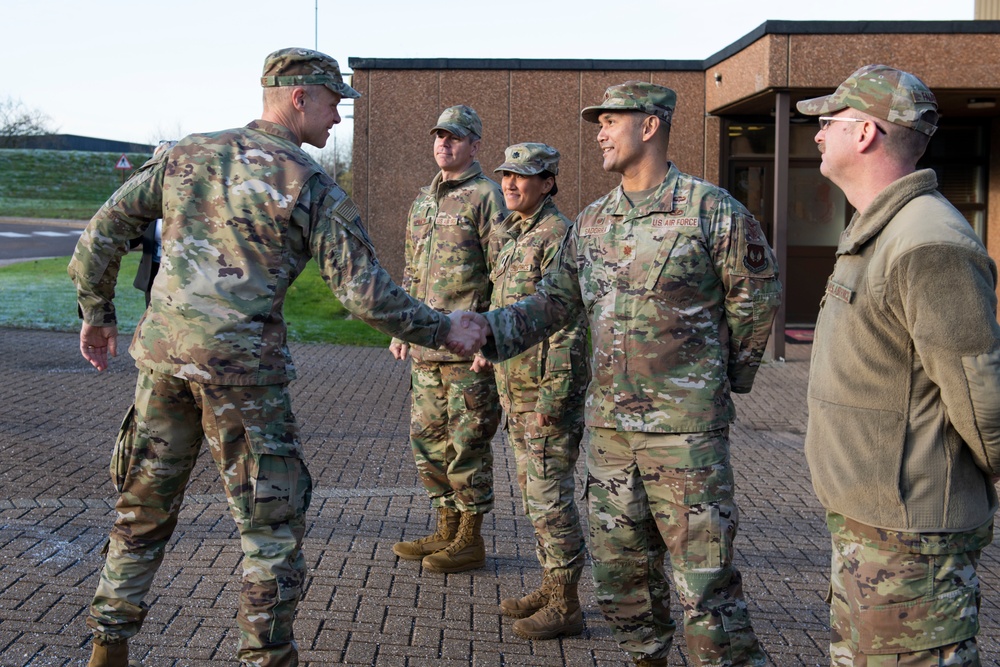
(22,239)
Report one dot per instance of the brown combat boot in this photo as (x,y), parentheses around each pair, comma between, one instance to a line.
(109,655)
(447,528)
(562,616)
(466,551)
(527,605)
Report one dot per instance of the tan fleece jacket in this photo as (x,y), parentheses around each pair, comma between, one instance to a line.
(904,390)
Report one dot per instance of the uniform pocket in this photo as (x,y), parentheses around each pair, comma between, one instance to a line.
(556,360)
(918,625)
(597,252)
(735,617)
(279,484)
(456,238)
(479,394)
(677,271)
(704,536)
(708,494)
(121,454)
(660,259)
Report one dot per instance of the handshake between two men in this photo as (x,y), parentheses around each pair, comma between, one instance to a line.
(468,332)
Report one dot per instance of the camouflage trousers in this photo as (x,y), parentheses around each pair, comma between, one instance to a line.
(253,439)
(546,458)
(654,493)
(453,416)
(903,598)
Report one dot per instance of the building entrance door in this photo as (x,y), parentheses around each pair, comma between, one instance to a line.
(817,212)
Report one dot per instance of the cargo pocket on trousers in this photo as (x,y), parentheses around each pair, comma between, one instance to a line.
(478,395)
(944,619)
(279,484)
(121,454)
(708,496)
(735,617)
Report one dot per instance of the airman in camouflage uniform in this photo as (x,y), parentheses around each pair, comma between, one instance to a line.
(542,392)
(903,440)
(243,211)
(454,409)
(680,288)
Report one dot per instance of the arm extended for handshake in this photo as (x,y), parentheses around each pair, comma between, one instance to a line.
(467,334)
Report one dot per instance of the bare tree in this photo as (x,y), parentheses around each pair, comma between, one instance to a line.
(336,158)
(161,133)
(18,121)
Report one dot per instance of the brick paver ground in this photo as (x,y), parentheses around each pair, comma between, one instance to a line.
(362,606)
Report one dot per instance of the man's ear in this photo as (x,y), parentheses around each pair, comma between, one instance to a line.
(650,124)
(299,98)
(866,136)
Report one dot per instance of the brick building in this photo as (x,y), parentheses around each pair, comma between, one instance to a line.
(735,124)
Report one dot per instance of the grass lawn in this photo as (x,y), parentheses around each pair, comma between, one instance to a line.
(70,185)
(73,185)
(40,295)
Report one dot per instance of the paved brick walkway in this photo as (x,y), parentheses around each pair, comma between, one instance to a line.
(362,606)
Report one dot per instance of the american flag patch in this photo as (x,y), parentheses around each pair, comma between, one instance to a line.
(347,209)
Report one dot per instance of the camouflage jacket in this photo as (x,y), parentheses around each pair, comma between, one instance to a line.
(243,211)
(447,246)
(552,375)
(679,292)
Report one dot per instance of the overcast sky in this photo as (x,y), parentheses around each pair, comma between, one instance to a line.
(140,71)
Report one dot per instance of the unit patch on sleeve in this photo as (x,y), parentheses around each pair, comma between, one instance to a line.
(752,230)
(756,257)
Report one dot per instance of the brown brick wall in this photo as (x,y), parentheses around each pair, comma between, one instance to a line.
(393,147)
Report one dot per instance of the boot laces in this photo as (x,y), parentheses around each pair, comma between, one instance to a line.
(462,539)
(440,534)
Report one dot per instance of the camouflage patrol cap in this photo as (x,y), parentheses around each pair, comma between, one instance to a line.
(460,120)
(641,96)
(304,67)
(890,94)
(529,159)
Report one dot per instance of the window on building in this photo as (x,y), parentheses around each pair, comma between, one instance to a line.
(818,211)
(958,154)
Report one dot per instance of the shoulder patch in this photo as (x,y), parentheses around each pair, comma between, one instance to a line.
(752,230)
(347,209)
(755,258)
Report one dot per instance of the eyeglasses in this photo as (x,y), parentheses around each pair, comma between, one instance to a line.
(824,122)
